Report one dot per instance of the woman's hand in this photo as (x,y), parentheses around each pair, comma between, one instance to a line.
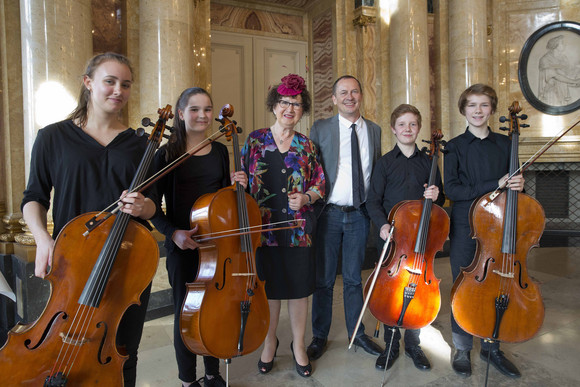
(44,249)
(240,177)
(137,205)
(184,239)
(297,200)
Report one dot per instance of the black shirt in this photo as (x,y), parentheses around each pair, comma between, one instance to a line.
(473,167)
(85,175)
(396,178)
(198,175)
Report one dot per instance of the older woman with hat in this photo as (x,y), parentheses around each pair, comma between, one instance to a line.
(286,178)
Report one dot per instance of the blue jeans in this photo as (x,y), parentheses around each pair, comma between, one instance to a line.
(337,229)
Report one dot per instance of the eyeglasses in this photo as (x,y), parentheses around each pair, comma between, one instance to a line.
(285,104)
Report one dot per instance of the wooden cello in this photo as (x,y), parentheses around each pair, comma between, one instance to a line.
(406,292)
(101,265)
(225,312)
(494,298)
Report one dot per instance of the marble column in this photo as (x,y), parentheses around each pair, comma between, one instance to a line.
(11,133)
(366,53)
(56,45)
(409,59)
(468,59)
(166,52)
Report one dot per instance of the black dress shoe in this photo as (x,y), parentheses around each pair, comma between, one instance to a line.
(366,343)
(316,348)
(462,362)
(500,362)
(419,358)
(382,359)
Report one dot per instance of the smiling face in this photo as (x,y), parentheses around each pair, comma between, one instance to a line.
(477,110)
(406,129)
(110,87)
(288,117)
(198,113)
(348,98)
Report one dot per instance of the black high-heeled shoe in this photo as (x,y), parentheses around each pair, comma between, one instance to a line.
(264,367)
(304,371)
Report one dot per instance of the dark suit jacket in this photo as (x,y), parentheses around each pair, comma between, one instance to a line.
(325,135)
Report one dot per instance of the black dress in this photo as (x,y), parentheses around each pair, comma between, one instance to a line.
(289,272)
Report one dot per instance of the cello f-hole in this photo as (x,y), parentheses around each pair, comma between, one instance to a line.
(46,331)
(100,356)
(217,284)
(485,269)
(393,273)
(520,279)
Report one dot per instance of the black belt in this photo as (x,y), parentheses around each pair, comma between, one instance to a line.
(343,208)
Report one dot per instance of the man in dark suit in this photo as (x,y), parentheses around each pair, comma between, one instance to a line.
(344,220)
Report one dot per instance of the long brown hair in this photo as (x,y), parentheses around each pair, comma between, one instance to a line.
(176,146)
(81,112)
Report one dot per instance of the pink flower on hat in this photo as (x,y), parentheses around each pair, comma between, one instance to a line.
(292,84)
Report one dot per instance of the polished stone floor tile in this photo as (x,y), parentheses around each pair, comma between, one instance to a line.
(548,359)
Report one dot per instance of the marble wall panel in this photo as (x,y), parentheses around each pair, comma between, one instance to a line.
(322,60)
(238,18)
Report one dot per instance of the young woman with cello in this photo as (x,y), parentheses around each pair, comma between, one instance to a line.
(88,160)
(402,174)
(206,172)
(476,163)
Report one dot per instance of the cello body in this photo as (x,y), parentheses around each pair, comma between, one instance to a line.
(225,312)
(31,351)
(474,293)
(386,301)
(406,292)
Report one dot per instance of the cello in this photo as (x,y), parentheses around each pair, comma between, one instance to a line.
(406,292)
(494,298)
(225,313)
(102,263)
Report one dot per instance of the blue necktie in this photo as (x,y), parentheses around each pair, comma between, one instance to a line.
(358,184)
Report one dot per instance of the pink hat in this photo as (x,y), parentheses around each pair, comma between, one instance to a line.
(292,84)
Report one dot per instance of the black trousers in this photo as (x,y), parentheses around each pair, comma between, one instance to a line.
(129,336)
(182,268)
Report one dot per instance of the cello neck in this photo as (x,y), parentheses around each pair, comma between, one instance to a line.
(421,240)
(511,207)
(244,223)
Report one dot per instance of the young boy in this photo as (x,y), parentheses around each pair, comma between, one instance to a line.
(476,163)
(401,174)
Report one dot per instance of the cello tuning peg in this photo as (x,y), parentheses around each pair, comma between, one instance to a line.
(427,141)
(503,128)
(170,128)
(502,119)
(240,130)
(146,122)
(524,117)
(524,126)
(425,149)
(139,132)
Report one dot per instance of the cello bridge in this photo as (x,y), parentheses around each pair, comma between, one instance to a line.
(413,271)
(505,275)
(68,340)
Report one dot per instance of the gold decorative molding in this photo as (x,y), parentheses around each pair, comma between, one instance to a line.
(26,238)
(363,21)
(364,16)
(12,225)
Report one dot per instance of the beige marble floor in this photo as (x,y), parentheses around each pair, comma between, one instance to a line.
(551,358)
